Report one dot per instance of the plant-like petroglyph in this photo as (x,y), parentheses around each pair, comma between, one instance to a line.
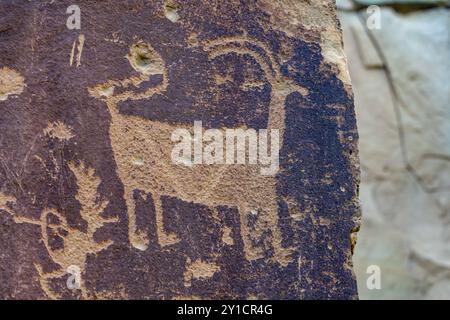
(59,130)
(77,244)
(142,151)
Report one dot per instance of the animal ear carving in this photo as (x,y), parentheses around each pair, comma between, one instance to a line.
(147,62)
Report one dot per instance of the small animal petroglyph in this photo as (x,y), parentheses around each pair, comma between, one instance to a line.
(142,151)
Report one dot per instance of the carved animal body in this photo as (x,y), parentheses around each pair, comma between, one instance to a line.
(142,150)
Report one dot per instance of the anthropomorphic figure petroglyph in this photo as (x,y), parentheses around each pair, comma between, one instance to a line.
(142,151)
(77,244)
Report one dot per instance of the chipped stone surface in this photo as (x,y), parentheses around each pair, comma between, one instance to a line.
(91,204)
(11,83)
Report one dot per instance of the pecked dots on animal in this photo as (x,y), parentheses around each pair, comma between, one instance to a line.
(144,59)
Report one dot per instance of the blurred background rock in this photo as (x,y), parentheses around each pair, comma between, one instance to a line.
(401,81)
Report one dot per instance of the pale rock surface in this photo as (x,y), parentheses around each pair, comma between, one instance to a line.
(405,151)
(401,2)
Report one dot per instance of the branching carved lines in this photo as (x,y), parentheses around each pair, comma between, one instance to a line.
(77,244)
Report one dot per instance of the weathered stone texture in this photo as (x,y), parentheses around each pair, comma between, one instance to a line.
(86,178)
(400,74)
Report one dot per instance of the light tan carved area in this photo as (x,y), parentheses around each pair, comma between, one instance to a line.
(11,83)
(171,9)
(293,17)
(311,20)
(5,201)
(142,151)
(227,237)
(77,48)
(59,130)
(199,269)
(77,244)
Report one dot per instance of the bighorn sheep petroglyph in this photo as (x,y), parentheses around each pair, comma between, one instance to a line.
(142,151)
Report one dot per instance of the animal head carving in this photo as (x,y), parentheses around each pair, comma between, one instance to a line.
(225,82)
(150,66)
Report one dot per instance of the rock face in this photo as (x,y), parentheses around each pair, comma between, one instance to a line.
(401,2)
(93,204)
(400,74)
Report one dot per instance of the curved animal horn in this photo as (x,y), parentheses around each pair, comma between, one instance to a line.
(258,50)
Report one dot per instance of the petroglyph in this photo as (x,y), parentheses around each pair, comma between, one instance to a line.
(6,201)
(142,149)
(104,109)
(199,269)
(59,130)
(11,83)
(292,17)
(78,47)
(77,244)
(226,236)
(281,86)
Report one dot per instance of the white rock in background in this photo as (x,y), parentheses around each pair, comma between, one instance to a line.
(406,212)
(377,125)
(402,2)
(416,48)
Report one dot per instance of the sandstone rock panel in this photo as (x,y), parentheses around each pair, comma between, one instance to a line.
(91,205)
